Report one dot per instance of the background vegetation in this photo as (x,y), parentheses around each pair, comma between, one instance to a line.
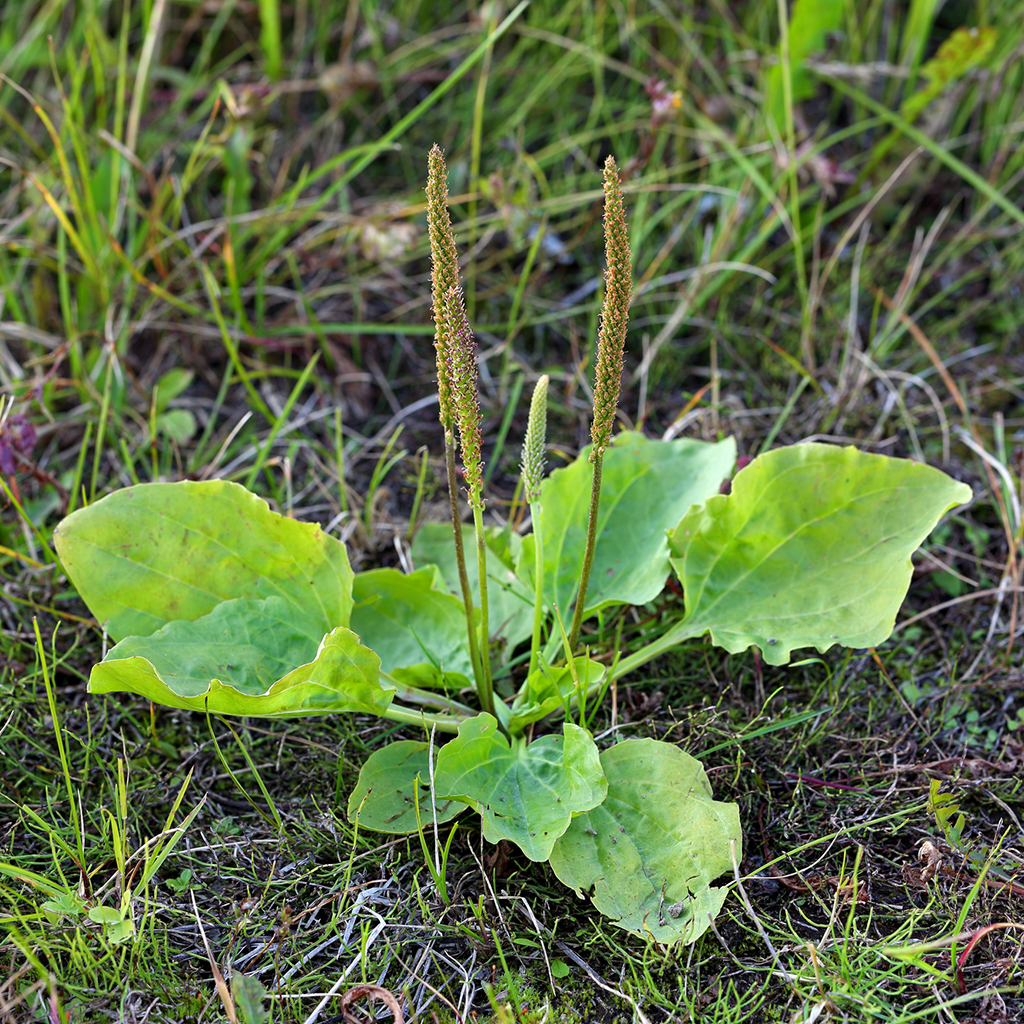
(213,263)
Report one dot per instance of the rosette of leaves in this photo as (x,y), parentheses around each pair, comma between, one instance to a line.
(218,604)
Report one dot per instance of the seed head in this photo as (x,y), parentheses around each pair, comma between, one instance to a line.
(463,375)
(618,289)
(533,443)
(444,274)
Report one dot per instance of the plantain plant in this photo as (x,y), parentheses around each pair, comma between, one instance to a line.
(219,605)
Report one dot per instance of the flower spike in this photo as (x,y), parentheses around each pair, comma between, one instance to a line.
(611,340)
(533,443)
(444,274)
(614,313)
(533,477)
(463,375)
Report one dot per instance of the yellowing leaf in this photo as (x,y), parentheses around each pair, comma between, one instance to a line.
(650,851)
(811,548)
(156,553)
(966,48)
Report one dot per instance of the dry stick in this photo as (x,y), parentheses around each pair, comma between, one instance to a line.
(608,372)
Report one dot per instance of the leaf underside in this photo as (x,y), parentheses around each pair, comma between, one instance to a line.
(239,659)
(524,793)
(811,548)
(649,853)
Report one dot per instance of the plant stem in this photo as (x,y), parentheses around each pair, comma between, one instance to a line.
(444,723)
(427,698)
(487,690)
(588,554)
(460,560)
(538,584)
(672,638)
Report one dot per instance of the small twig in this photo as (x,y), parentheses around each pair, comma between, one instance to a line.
(218,978)
(753,916)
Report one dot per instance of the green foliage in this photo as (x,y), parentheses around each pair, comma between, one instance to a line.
(511,599)
(645,485)
(948,816)
(552,687)
(412,622)
(810,23)
(243,161)
(215,599)
(811,548)
(182,664)
(527,793)
(966,48)
(248,995)
(650,852)
(920,18)
(153,554)
(386,795)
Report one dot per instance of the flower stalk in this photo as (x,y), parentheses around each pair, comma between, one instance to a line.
(464,380)
(532,476)
(458,405)
(611,342)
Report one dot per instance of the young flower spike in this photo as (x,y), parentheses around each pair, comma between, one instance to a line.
(618,290)
(533,443)
(444,274)
(533,477)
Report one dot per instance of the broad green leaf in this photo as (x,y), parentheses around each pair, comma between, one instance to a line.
(812,548)
(645,487)
(650,852)
(510,615)
(239,660)
(170,385)
(525,793)
(178,424)
(67,904)
(384,797)
(549,688)
(105,915)
(157,553)
(116,927)
(410,620)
